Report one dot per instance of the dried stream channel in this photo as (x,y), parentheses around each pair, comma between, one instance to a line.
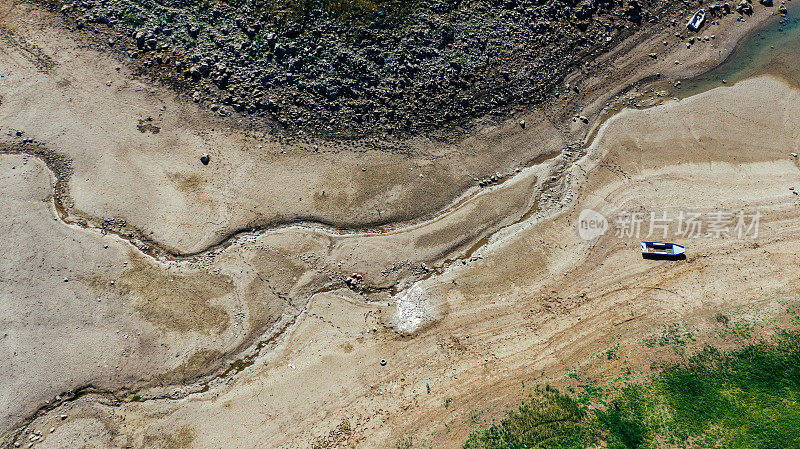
(264,279)
(772,50)
(293,263)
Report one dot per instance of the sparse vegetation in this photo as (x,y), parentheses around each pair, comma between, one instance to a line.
(550,419)
(612,354)
(132,20)
(745,398)
(672,336)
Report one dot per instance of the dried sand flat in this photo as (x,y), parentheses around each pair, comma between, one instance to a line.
(135,146)
(538,298)
(85,311)
(64,325)
(177,323)
(183,321)
(130,325)
(135,150)
(132,152)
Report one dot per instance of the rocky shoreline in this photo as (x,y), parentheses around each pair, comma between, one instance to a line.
(433,71)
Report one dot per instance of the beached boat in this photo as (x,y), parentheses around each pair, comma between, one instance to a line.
(660,250)
(697,20)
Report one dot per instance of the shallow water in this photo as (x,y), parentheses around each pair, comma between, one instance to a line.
(774,50)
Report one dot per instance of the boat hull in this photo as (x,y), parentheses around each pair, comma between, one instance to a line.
(663,251)
(697,20)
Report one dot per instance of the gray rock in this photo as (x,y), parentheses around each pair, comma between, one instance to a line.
(745,7)
(140,39)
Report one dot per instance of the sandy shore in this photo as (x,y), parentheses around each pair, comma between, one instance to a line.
(536,297)
(470,291)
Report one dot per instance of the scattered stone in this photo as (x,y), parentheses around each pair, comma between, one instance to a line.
(205,159)
(389,78)
(522,124)
(354,281)
(744,8)
(383,362)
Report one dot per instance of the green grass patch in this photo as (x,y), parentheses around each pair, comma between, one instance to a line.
(745,398)
(551,420)
(132,20)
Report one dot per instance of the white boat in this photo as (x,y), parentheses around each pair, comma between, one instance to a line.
(661,250)
(697,20)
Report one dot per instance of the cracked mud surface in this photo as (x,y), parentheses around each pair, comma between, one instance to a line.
(153,301)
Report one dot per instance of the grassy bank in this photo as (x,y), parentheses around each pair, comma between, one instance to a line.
(745,398)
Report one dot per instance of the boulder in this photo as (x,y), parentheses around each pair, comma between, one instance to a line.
(140,39)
